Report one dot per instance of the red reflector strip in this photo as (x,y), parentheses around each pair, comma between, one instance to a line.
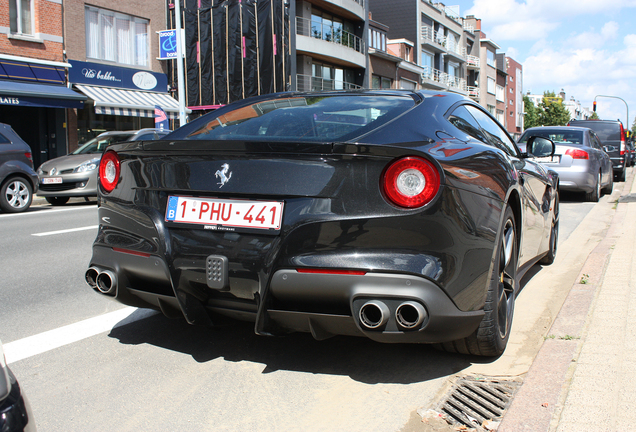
(132,252)
(330,271)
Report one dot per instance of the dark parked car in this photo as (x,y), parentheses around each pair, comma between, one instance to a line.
(400,216)
(612,136)
(18,181)
(75,174)
(579,159)
(15,411)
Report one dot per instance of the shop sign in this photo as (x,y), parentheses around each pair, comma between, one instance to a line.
(116,76)
(9,100)
(167,44)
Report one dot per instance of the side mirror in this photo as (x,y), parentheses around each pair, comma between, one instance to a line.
(609,148)
(540,147)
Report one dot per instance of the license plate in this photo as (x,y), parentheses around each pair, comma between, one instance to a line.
(52,180)
(549,159)
(221,213)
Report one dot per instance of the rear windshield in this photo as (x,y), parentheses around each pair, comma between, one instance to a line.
(98,144)
(605,131)
(557,135)
(299,118)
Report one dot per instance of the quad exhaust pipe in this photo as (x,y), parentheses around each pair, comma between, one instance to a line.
(374,314)
(104,281)
(410,315)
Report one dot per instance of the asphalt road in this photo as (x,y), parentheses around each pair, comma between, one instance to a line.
(88,363)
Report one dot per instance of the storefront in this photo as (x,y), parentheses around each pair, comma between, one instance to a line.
(33,100)
(119,98)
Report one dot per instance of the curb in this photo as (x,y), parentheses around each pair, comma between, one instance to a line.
(538,403)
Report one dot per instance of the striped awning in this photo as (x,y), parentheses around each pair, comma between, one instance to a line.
(130,102)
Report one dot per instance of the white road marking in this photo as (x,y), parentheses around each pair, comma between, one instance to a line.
(49,340)
(64,231)
(45,212)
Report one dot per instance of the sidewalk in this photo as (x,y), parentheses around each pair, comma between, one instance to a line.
(581,379)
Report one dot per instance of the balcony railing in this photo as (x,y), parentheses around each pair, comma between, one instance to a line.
(473,61)
(444,80)
(473,92)
(445,42)
(312,83)
(305,27)
(469,29)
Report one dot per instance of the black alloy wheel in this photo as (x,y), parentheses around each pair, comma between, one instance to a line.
(491,337)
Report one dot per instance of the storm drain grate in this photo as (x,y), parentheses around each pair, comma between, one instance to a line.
(473,401)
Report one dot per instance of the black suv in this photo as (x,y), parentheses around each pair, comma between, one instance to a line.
(612,136)
(18,181)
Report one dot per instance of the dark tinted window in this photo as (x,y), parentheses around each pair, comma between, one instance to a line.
(605,130)
(299,118)
(562,136)
(4,140)
(495,133)
(462,120)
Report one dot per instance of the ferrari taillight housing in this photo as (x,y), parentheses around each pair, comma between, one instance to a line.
(410,182)
(109,170)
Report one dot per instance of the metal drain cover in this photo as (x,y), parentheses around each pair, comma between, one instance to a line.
(473,401)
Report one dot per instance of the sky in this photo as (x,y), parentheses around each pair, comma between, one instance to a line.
(586,48)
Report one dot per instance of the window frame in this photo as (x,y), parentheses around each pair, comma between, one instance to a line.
(96,46)
(16,22)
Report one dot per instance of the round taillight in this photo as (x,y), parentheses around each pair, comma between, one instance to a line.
(109,170)
(411,182)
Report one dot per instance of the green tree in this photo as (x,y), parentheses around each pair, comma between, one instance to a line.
(552,111)
(594,116)
(531,118)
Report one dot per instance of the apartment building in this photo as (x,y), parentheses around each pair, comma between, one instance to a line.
(514,98)
(441,44)
(33,92)
(112,46)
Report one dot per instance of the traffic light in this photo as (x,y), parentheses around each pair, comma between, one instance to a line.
(594,106)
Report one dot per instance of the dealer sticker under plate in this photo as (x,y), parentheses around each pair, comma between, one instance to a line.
(213,212)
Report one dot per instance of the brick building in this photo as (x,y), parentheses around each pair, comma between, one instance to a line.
(33,92)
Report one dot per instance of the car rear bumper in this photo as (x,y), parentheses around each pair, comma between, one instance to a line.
(321,304)
(15,410)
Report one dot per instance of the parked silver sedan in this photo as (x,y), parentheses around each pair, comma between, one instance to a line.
(579,159)
(75,175)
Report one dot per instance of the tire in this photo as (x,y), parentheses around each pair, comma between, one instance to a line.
(607,190)
(554,236)
(57,201)
(491,337)
(596,193)
(16,195)
(622,176)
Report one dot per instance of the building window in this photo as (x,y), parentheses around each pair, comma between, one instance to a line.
(377,40)
(491,85)
(21,16)
(491,109)
(378,82)
(500,94)
(115,37)
(427,63)
(491,58)
(407,52)
(330,28)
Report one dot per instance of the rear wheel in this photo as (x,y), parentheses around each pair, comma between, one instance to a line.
(622,175)
(57,201)
(596,193)
(491,338)
(607,190)
(554,236)
(16,195)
